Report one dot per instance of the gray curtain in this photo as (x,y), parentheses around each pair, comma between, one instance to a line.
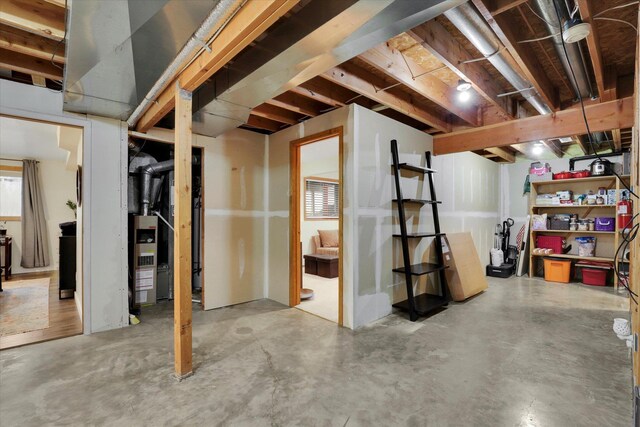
(35,238)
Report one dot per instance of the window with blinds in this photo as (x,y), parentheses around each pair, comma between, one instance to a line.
(321,199)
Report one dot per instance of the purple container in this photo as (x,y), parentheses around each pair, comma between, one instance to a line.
(605,224)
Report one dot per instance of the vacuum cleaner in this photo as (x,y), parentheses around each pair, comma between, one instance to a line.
(504,257)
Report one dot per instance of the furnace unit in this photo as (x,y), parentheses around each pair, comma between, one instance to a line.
(145,259)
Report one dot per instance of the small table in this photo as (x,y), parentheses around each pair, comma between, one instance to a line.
(322,265)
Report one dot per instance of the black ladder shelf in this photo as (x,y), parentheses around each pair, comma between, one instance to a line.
(423,304)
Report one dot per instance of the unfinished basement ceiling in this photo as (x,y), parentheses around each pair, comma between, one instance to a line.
(118,49)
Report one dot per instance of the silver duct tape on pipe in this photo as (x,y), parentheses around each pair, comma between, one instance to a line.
(470,23)
(195,43)
(547,11)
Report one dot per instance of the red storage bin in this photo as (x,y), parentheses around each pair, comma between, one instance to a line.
(594,276)
(550,242)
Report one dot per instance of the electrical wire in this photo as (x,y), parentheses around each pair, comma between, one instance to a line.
(539,38)
(622,21)
(540,17)
(633,231)
(64,37)
(616,7)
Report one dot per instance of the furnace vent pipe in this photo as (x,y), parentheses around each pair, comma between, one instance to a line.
(466,19)
(196,42)
(147,173)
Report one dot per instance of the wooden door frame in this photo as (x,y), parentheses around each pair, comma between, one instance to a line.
(295,251)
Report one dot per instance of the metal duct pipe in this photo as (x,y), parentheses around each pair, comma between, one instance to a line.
(147,173)
(466,19)
(547,11)
(195,43)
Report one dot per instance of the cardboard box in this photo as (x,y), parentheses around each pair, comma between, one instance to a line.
(465,275)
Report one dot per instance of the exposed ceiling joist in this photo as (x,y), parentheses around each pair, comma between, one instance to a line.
(245,27)
(437,40)
(617,139)
(401,68)
(30,44)
(43,19)
(59,3)
(39,81)
(602,117)
(275,113)
(372,87)
(321,90)
(498,6)
(502,153)
(296,103)
(262,123)
(29,65)
(521,55)
(554,147)
(581,144)
(593,43)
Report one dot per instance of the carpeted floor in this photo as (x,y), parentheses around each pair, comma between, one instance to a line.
(325,297)
(24,306)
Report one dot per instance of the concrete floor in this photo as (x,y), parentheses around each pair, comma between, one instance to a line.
(525,353)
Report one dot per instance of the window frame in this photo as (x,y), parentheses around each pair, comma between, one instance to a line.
(9,168)
(336,197)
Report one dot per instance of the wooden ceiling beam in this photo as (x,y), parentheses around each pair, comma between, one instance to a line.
(39,18)
(593,43)
(401,68)
(366,84)
(583,146)
(498,6)
(30,44)
(276,114)
(521,56)
(298,104)
(323,91)
(29,65)
(554,147)
(253,19)
(502,153)
(262,123)
(602,117)
(39,81)
(437,40)
(59,3)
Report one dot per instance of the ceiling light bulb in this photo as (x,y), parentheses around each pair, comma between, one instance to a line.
(464,96)
(463,86)
(537,149)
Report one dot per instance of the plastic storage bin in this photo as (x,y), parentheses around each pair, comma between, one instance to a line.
(594,276)
(551,242)
(557,270)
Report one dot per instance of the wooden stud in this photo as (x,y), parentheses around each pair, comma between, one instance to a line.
(593,43)
(29,65)
(437,40)
(276,114)
(617,139)
(366,84)
(35,17)
(521,57)
(182,316)
(403,69)
(499,6)
(602,117)
(253,19)
(39,81)
(31,44)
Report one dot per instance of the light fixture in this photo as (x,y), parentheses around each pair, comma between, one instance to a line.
(464,96)
(538,148)
(463,86)
(575,30)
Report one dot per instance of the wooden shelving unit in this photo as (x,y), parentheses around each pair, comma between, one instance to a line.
(607,241)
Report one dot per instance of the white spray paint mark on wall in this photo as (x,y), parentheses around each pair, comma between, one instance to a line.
(241,257)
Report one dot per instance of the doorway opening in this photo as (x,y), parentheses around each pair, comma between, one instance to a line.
(316,225)
(151,240)
(40,231)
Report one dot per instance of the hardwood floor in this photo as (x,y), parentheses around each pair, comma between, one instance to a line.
(64,320)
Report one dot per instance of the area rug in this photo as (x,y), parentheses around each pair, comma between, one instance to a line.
(24,306)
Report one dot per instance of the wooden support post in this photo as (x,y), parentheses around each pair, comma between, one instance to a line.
(182,235)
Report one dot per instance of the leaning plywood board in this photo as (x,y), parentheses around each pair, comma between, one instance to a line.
(465,275)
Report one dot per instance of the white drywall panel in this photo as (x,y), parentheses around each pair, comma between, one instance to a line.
(234,248)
